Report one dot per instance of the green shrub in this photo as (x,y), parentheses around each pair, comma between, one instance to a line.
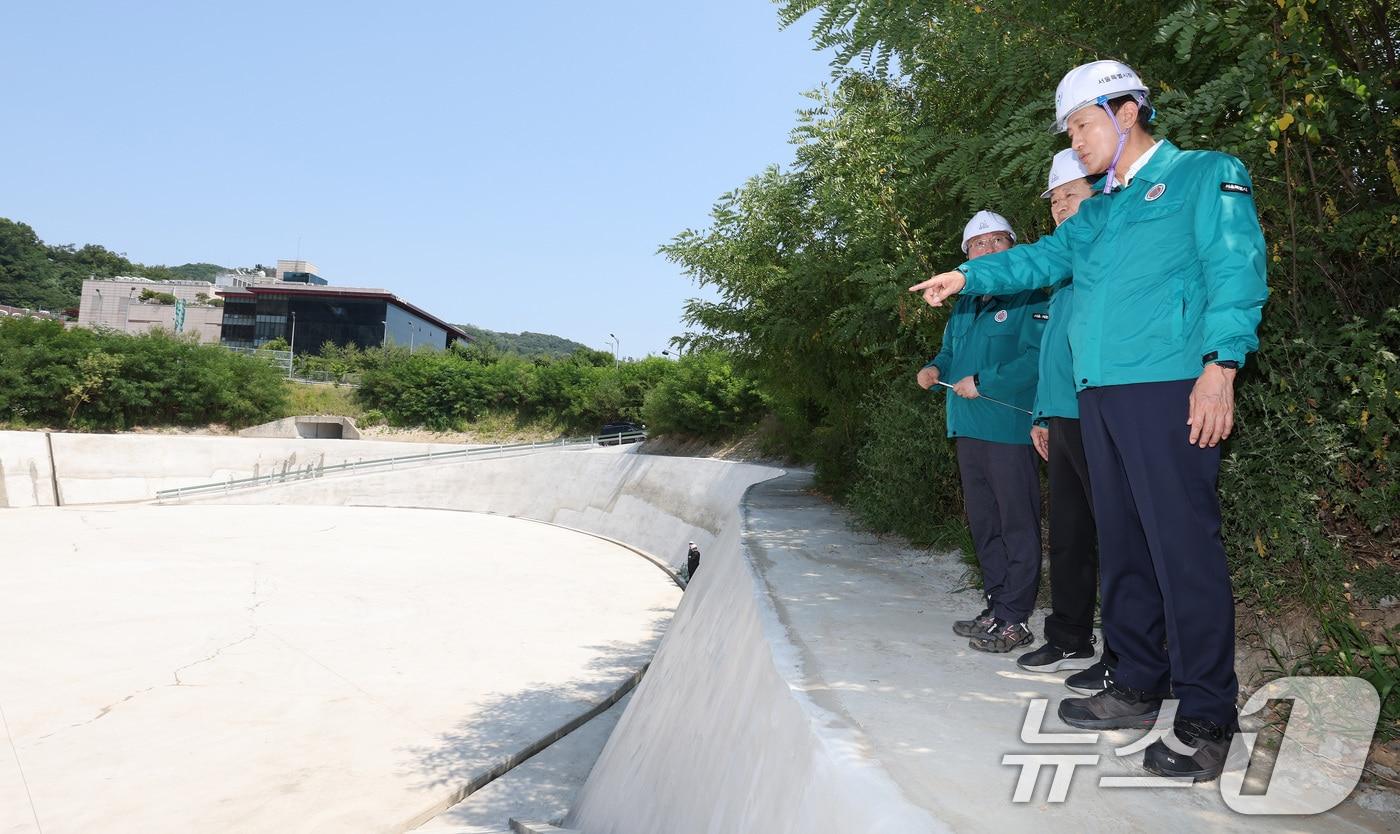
(703,397)
(907,470)
(158,297)
(1308,488)
(98,380)
(446,389)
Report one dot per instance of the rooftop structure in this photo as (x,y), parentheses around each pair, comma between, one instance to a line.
(132,304)
(307,316)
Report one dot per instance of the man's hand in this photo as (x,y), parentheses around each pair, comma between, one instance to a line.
(966,388)
(1040,439)
(940,287)
(928,377)
(1212,408)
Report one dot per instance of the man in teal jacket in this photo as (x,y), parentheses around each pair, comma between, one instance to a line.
(1169,276)
(1074,552)
(991,345)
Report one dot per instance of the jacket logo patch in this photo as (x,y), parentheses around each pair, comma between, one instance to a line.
(1156,191)
(1000,316)
(1040,316)
(1235,188)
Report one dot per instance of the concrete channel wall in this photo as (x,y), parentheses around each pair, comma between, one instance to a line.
(719,735)
(109,468)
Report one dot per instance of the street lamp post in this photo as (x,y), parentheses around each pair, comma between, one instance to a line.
(617,345)
(292,345)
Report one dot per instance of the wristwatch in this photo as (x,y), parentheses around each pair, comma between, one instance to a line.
(1210,358)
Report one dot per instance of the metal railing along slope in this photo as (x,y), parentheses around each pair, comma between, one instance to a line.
(357,466)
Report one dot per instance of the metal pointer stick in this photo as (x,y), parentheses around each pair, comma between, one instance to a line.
(989,399)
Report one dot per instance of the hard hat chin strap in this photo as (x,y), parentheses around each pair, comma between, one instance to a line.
(1123,135)
(1117,154)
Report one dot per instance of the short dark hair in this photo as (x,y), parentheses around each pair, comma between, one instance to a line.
(1145,110)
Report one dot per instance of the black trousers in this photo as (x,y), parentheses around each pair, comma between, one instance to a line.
(1001,493)
(1074,544)
(1165,580)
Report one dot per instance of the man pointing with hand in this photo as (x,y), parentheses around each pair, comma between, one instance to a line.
(1168,269)
(991,348)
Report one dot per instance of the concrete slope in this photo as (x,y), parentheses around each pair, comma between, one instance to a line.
(873,623)
(295,669)
(653,503)
(723,734)
(106,468)
(720,735)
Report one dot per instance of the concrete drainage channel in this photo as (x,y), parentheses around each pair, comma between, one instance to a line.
(511,762)
(646,504)
(523,827)
(508,763)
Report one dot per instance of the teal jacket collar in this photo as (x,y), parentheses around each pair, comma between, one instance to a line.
(1161,161)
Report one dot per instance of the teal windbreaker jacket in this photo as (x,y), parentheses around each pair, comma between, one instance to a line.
(1169,272)
(1054,390)
(999,342)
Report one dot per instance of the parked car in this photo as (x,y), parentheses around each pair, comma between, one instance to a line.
(621,432)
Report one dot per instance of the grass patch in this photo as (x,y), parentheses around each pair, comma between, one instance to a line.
(490,427)
(319,398)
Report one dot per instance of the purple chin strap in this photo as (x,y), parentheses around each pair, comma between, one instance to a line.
(1122,140)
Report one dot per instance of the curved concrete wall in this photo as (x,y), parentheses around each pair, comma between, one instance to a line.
(653,503)
(719,736)
(107,468)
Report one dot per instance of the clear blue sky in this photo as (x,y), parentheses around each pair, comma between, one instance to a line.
(510,165)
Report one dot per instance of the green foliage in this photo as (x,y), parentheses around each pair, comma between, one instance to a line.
(938,108)
(703,397)
(448,390)
(810,267)
(158,297)
(907,474)
(1346,650)
(334,363)
(305,398)
(194,272)
(1309,487)
(96,380)
(40,276)
(527,344)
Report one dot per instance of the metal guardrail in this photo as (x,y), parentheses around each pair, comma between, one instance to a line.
(357,466)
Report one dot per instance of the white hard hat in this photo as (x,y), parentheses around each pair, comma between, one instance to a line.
(983,222)
(1094,83)
(1064,168)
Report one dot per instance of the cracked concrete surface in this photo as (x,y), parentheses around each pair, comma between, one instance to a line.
(294,668)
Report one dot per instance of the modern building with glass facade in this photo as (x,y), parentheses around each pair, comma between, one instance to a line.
(308,315)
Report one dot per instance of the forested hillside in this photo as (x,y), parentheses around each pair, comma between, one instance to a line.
(50,277)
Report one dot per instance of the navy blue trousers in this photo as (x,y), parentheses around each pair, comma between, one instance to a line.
(1074,544)
(1001,493)
(1168,609)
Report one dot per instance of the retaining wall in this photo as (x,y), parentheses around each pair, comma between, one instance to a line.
(107,468)
(719,736)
